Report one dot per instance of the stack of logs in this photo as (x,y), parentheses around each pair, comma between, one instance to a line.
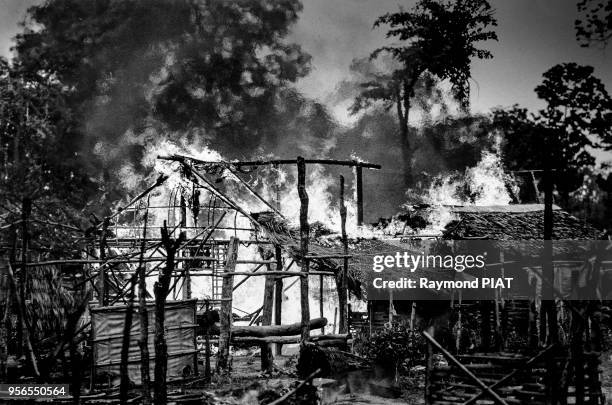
(255,335)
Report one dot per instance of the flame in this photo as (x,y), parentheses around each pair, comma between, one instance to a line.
(485,184)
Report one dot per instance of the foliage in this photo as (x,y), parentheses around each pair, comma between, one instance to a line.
(441,38)
(438,41)
(32,159)
(398,346)
(594,25)
(577,118)
(579,107)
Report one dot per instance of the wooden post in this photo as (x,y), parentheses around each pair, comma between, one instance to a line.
(342,291)
(125,342)
(359,182)
(160,290)
(370,316)
(501,308)
(278,295)
(26,208)
(335,328)
(143,316)
(225,314)
(187,282)
(321,302)
(304,235)
(207,344)
(533,315)
(429,365)
(391,309)
(485,324)
(548,285)
(266,315)
(186,287)
(102,295)
(576,346)
(548,268)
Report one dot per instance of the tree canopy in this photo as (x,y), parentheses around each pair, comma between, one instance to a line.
(594,24)
(437,41)
(576,120)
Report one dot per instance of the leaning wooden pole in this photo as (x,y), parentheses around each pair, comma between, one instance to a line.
(452,359)
(342,291)
(304,235)
(225,315)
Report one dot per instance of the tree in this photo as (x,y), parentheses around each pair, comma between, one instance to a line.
(579,107)
(31,160)
(132,70)
(577,119)
(438,40)
(594,25)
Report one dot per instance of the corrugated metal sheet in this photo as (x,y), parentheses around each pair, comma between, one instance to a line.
(107,333)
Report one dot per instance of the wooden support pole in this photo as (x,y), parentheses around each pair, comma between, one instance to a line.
(359,182)
(207,344)
(161,289)
(102,295)
(225,315)
(429,366)
(577,328)
(548,288)
(533,314)
(278,294)
(266,316)
(321,298)
(304,235)
(26,209)
(143,316)
(548,270)
(125,341)
(343,285)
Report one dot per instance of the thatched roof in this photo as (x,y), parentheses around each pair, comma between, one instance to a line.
(515,222)
(504,223)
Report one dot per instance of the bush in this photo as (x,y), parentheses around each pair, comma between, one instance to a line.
(396,346)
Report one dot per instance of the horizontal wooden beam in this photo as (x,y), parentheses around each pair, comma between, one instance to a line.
(350,163)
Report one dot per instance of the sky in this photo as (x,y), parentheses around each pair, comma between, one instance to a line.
(533,35)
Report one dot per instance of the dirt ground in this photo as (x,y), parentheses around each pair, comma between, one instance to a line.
(247,385)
